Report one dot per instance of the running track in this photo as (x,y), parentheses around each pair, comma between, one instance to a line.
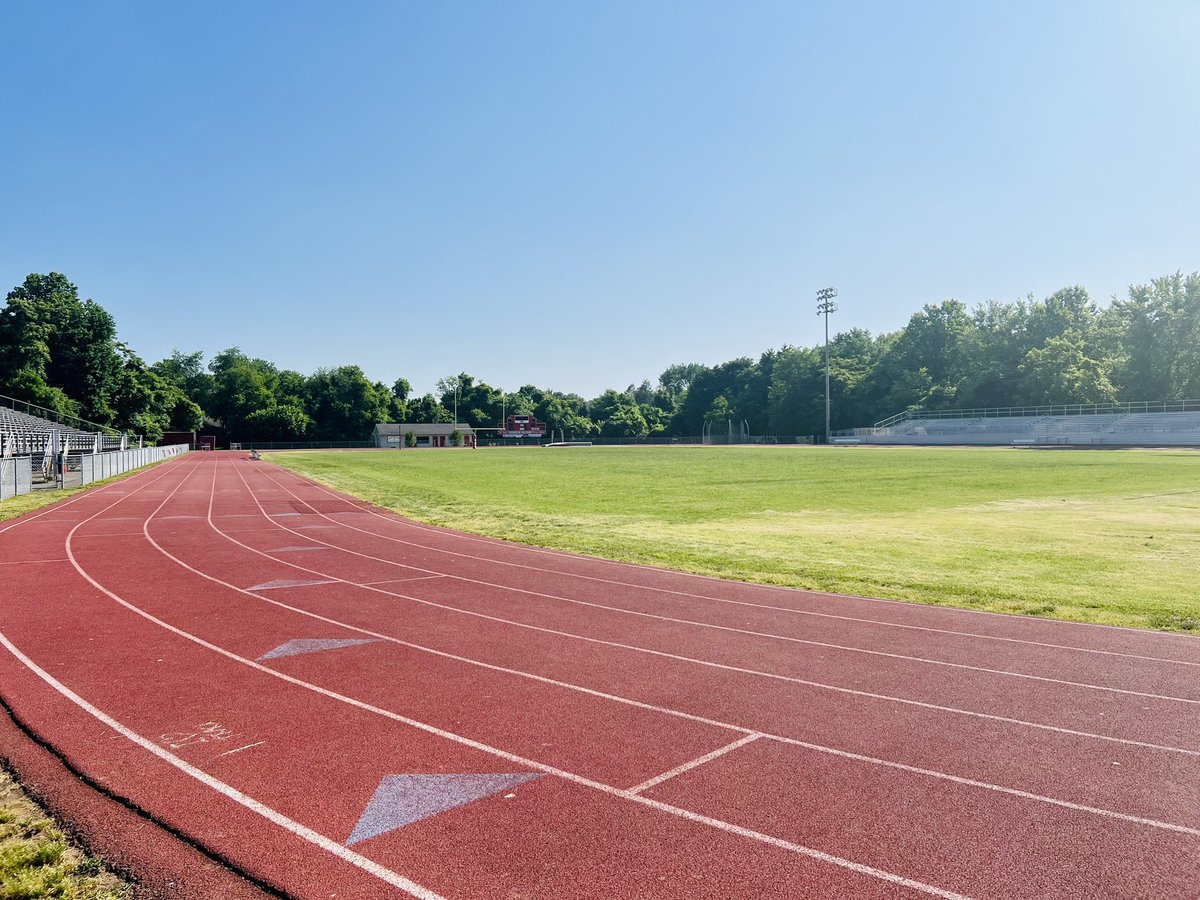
(275,671)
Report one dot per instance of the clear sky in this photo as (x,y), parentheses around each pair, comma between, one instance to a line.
(578,194)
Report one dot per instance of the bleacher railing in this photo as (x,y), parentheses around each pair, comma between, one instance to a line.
(53,415)
(1068,409)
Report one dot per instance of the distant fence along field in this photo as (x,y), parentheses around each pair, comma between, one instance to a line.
(1094,536)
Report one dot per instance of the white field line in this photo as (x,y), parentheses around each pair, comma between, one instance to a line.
(708,663)
(396,519)
(271,815)
(845,754)
(571,777)
(692,764)
(843,647)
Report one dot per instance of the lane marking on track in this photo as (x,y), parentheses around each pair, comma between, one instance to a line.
(845,754)
(400,580)
(678,812)
(715,665)
(692,764)
(301,831)
(32,562)
(104,489)
(397,519)
(701,624)
(240,749)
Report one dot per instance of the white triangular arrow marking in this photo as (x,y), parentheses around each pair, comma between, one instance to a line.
(403,799)
(285,582)
(313,645)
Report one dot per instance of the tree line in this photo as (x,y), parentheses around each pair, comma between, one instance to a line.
(62,352)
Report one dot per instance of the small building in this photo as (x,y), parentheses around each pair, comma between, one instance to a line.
(391,435)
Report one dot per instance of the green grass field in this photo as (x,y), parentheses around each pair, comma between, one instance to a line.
(1094,536)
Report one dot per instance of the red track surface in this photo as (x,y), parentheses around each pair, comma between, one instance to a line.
(690,737)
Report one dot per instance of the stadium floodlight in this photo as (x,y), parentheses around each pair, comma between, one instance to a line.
(825,306)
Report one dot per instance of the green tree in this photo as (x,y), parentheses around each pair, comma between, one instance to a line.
(344,405)
(626,421)
(1062,372)
(241,387)
(285,422)
(1158,328)
(427,410)
(186,372)
(59,351)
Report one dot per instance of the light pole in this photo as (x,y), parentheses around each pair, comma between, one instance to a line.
(825,306)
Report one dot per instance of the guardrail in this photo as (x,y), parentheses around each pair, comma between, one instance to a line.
(97,466)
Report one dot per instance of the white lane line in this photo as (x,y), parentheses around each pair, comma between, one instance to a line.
(31,562)
(691,764)
(845,754)
(395,519)
(678,812)
(240,749)
(106,489)
(714,665)
(400,580)
(271,815)
(701,624)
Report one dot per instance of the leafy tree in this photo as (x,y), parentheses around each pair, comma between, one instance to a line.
(479,404)
(796,398)
(241,387)
(285,422)
(1062,372)
(59,351)
(344,405)
(186,372)
(426,409)
(626,421)
(1159,339)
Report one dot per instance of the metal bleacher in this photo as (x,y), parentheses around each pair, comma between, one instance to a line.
(44,434)
(1143,424)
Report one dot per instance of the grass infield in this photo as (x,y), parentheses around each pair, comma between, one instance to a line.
(1090,536)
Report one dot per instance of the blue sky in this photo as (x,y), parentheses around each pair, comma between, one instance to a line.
(579,194)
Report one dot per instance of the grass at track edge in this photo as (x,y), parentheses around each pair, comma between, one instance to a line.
(1111,538)
(35,500)
(38,861)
